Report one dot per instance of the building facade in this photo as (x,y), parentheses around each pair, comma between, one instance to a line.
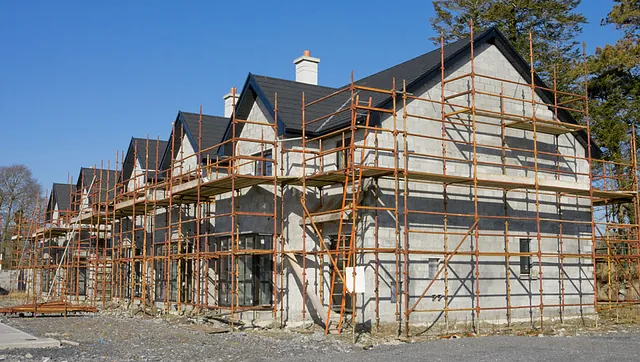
(452,188)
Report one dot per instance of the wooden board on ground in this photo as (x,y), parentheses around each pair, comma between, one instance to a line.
(205,329)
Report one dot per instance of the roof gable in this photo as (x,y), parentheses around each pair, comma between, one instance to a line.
(106,180)
(290,92)
(202,135)
(148,154)
(60,196)
(263,90)
(413,72)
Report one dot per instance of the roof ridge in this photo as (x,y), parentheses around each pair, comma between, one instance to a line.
(97,169)
(457,42)
(293,81)
(203,114)
(150,139)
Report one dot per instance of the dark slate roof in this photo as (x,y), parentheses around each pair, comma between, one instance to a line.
(105,180)
(149,157)
(413,69)
(411,72)
(208,135)
(142,150)
(290,93)
(61,195)
(213,128)
(263,89)
(290,101)
(415,72)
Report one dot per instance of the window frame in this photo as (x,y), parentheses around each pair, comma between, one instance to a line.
(525,260)
(264,167)
(257,271)
(343,153)
(433,264)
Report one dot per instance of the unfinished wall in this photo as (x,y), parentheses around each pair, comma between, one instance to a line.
(185,161)
(564,281)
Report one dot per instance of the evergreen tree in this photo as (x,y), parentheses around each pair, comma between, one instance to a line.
(614,85)
(614,93)
(454,16)
(625,15)
(554,25)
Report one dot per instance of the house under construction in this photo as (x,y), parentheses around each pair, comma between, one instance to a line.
(453,187)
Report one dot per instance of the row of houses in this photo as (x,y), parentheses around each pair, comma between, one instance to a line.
(453,187)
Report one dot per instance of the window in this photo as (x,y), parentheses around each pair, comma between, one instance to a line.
(77,276)
(255,272)
(525,260)
(264,167)
(433,267)
(342,156)
(138,275)
(166,288)
(342,260)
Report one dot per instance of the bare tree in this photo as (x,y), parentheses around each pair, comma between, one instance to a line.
(20,193)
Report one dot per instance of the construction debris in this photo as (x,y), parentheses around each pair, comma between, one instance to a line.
(49,308)
(455,186)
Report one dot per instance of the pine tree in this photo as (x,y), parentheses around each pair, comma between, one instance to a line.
(614,85)
(625,15)
(454,16)
(554,25)
(614,93)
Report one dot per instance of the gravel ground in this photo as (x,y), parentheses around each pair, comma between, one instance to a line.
(511,348)
(112,337)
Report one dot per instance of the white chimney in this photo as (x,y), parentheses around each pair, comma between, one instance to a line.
(307,68)
(229,102)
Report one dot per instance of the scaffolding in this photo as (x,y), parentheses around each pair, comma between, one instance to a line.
(213,230)
(603,190)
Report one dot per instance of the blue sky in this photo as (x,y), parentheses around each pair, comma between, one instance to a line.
(79,78)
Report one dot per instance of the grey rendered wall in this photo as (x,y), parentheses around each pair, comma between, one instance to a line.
(574,275)
(571,275)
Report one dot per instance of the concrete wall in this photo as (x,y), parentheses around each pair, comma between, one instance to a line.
(461,285)
(137,177)
(574,275)
(564,281)
(55,216)
(254,135)
(185,161)
(8,280)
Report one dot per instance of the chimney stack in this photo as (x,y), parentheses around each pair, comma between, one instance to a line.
(228,102)
(307,68)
